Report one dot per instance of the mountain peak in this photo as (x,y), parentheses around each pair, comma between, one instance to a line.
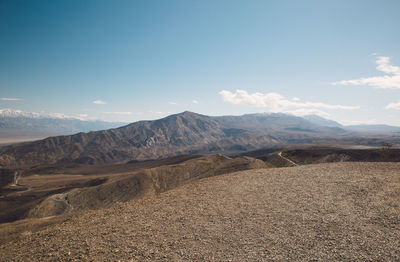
(189,113)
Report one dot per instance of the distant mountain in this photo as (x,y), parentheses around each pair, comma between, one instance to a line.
(322,121)
(371,129)
(184,133)
(374,128)
(276,123)
(19,125)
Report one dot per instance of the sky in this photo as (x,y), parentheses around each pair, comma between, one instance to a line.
(145,59)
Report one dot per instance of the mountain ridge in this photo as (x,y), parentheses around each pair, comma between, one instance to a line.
(177,134)
(183,133)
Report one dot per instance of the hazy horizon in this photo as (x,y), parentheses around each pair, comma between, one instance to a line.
(127,61)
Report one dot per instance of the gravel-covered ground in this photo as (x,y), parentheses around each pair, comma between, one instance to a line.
(340,211)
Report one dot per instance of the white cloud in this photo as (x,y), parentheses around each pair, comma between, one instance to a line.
(391,80)
(118,113)
(9,99)
(274,101)
(296,99)
(172,103)
(384,65)
(393,106)
(195,101)
(99,102)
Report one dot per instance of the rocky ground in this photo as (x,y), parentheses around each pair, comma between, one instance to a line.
(339,211)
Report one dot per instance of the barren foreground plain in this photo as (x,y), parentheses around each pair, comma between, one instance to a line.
(336,211)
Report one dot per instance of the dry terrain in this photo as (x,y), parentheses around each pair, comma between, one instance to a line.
(336,211)
(54,190)
(37,183)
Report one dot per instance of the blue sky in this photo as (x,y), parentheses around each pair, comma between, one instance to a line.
(132,60)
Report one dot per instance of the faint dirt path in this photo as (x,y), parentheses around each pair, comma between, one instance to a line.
(287,159)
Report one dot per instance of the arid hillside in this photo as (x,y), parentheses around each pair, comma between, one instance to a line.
(305,155)
(315,155)
(51,191)
(326,212)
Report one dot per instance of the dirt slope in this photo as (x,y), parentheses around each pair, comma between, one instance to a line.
(128,186)
(338,211)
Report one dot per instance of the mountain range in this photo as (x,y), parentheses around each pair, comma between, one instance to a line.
(184,133)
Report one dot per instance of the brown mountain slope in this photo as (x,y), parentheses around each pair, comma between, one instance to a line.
(141,140)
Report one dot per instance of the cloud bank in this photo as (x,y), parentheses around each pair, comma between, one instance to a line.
(277,103)
(389,81)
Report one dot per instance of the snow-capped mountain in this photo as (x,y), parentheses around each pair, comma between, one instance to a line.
(17,113)
(18,125)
